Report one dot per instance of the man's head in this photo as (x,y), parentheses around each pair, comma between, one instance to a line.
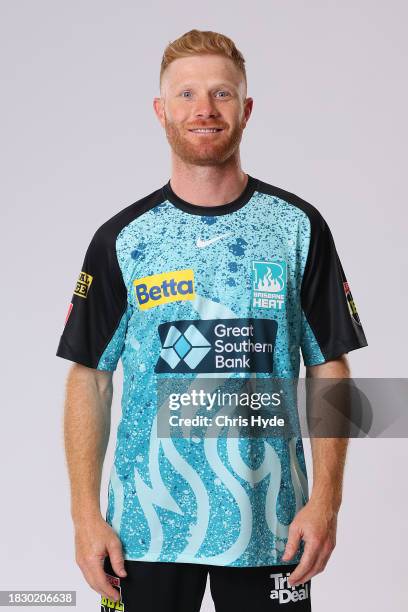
(203,85)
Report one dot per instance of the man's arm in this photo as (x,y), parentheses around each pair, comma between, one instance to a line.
(87,417)
(316,522)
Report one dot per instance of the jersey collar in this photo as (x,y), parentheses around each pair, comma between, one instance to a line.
(219,209)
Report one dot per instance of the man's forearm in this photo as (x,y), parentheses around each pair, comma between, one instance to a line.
(329,454)
(86,435)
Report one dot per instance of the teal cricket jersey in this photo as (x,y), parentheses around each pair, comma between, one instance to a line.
(175,289)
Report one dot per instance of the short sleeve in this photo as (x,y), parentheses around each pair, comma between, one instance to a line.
(330,323)
(96,321)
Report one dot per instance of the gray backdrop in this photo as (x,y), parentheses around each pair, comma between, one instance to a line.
(80,142)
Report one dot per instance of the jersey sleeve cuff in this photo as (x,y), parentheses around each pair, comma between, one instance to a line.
(66,352)
(336,353)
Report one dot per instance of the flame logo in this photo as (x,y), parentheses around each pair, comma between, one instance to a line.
(272,280)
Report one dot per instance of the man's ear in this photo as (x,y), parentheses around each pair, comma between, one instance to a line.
(248,105)
(158,105)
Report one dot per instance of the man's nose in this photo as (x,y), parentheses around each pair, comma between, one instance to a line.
(206,108)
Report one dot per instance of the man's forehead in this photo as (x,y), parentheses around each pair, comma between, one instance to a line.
(199,69)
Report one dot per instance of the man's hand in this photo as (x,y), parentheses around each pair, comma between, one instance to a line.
(316,524)
(95,540)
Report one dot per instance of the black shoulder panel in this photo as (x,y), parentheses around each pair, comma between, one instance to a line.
(99,300)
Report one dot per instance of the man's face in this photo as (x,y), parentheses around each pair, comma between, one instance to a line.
(203,92)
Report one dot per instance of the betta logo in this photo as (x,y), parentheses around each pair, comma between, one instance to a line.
(163,288)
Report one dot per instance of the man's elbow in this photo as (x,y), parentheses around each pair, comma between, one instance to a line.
(335,368)
(82,376)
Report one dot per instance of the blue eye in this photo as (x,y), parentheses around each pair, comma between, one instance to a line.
(185,92)
(225,93)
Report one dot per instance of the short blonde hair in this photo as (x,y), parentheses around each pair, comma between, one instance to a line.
(197,42)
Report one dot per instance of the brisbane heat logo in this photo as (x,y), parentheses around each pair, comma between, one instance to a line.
(269,284)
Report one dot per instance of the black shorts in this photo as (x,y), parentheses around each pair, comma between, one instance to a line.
(155,586)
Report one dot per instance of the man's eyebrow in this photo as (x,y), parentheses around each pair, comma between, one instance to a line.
(216,85)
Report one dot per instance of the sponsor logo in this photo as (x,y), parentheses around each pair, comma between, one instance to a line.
(83,283)
(108,604)
(68,313)
(162,288)
(284,593)
(269,284)
(351,305)
(203,243)
(217,345)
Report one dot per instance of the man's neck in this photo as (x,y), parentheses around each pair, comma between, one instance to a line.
(207,185)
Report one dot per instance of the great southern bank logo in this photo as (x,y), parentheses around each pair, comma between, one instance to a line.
(217,345)
(269,284)
(190,346)
(165,287)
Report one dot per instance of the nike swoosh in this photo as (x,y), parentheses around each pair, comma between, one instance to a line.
(203,243)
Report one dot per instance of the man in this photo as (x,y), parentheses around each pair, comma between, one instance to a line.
(213,255)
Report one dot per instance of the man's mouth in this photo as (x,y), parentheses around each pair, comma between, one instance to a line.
(206,130)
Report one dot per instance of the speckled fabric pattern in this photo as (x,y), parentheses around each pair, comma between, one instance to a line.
(164,277)
(221,516)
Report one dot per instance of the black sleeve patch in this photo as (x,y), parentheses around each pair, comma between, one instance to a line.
(326,297)
(98,303)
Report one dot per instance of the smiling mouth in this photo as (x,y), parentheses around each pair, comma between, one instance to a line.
(206,130)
